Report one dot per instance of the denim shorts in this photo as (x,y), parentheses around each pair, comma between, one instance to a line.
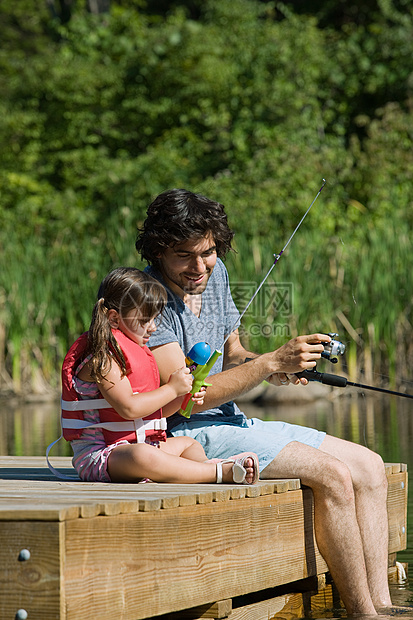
(266,438)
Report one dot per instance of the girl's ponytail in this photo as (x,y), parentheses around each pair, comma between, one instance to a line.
(101,343)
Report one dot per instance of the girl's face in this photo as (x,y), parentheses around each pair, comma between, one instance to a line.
(135,328)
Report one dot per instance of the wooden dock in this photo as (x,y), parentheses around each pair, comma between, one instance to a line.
(75,551)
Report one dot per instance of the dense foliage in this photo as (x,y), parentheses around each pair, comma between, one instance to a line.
(251,103)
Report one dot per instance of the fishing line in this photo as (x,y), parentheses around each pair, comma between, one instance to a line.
(276,259)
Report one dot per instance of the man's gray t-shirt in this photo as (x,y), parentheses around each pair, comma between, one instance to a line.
(218,317)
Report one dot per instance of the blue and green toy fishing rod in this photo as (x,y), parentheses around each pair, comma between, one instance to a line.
(199,361)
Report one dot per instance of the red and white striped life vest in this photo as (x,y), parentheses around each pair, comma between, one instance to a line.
(143,375)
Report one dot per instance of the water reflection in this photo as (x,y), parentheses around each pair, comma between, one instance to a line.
(27,428)
(383,424)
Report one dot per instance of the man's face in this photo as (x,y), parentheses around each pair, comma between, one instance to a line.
(187,266)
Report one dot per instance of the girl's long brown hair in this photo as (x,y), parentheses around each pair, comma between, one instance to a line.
(123,290)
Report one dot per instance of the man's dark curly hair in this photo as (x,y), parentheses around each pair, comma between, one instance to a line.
(178,215)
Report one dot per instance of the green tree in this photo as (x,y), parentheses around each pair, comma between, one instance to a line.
(249,102)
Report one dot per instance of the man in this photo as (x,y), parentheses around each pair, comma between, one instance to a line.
(183,239)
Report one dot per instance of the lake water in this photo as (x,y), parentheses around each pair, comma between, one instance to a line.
(384,424)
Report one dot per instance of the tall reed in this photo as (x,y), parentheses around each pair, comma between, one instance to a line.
(361,288)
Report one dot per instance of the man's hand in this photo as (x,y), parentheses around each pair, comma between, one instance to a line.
(298,354)
(245,370)
(281,378)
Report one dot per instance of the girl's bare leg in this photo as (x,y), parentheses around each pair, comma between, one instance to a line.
(186,447)
(132,462)
(189,448)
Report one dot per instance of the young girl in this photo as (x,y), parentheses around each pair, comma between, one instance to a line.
(122,436)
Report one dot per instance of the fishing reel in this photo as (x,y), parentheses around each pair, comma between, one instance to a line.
(333,349)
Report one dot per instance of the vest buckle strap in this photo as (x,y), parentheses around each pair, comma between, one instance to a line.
(160,424)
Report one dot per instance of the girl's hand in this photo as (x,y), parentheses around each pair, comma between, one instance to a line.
(198,397)
(181,381)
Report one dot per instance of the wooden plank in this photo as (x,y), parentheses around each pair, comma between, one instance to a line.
(395,468)
(397,510)
(34,584)
(38,511)
(36,482)
(35,461)
(216,611)
(296,603)
(274,603)
(131,500)
(285,606)
(87,506)
(33,473)
(35,468)
(289,604)
(203,492)
(229,549)
(197,554)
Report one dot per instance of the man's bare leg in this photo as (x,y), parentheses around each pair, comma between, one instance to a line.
(335,518)
(370,489)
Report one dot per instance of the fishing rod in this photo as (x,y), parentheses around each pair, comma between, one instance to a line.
(276,259)
(338,381)
(199,359)
(332,350)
